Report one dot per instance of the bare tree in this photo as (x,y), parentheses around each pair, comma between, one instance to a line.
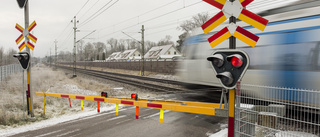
(188,25)
(88,51)
(194,22)
(165,41)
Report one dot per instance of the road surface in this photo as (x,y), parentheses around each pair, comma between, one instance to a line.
(175,124)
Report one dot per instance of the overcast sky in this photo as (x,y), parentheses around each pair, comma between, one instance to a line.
(53,18)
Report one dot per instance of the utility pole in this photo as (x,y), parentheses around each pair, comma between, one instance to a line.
(74,47)
(50,58)
(55,60)
(142,43)
(30,99)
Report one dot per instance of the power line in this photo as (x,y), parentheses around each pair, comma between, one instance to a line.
(102,11)
(89,9)
(86,35)
(63,31)
(97,11)
(82,7)
(140,14)
(87,21)
(156,17)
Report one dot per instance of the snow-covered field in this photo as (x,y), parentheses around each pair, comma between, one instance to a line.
(44,78)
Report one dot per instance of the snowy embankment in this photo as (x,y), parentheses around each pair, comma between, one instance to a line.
(53,121)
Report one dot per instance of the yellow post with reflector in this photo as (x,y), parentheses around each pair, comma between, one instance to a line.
(81,104)
(44,104)
(161,115)
(117,109)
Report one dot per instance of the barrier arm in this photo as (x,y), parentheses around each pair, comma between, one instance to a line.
(180,106)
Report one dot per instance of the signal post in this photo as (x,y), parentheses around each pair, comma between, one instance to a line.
(230,65)
(25,57)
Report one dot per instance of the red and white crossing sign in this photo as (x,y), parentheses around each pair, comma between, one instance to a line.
(235,9)
(26,33)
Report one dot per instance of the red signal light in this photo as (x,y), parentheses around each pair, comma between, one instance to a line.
(104,94)
(236,62)
(134,96)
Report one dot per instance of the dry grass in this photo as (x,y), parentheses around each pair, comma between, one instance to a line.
(44,78)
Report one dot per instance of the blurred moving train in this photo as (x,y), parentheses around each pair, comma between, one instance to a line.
(286,55)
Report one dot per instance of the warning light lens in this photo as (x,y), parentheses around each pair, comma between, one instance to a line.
(104,94)
(236,62)
(133,96)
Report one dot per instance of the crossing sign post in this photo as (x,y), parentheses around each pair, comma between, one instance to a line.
(27,36)
(26,33)
(232,9)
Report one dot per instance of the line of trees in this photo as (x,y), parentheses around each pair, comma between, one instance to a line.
(100,50)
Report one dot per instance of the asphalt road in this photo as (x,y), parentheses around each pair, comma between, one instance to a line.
(175,124)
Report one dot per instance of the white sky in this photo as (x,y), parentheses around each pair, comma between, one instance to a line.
(53,18)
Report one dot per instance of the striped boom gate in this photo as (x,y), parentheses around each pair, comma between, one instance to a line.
(180,106)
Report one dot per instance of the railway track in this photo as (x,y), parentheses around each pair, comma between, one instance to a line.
(153,84)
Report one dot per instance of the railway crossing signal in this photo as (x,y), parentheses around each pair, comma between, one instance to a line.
(104,94)
(24,59)
(229,66)
(26,33)
(134,96)
(235,9)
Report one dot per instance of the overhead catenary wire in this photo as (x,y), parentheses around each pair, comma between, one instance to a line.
(251,7)
(150,11)
(89,9)
(155,17)
(82,7)
(96,12)
(86,35)
(95,16)
(60,34)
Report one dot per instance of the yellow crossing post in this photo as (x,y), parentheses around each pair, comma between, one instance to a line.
(161,116)
(117,109)
(44,104)
(81,104)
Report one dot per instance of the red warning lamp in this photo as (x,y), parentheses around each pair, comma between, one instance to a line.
(236,60)
(134,96)
(104,94)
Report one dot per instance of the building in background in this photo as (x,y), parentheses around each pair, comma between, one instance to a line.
(162,52)
(132,54)
(114,56)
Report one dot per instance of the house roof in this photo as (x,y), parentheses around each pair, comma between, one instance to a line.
(114,55)
(154,52)
(128,53)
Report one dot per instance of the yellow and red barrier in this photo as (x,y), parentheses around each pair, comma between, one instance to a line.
(180,106)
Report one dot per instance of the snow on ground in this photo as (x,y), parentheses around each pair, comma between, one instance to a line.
(167,77)
(58,82)
(221,133)
(294,134)
(58,119)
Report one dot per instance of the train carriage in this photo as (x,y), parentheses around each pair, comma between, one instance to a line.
(286,55)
